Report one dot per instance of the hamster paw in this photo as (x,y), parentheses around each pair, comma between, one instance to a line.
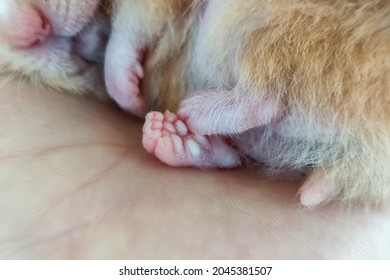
(168,137)
(30,27)
(317,190)
(122,76)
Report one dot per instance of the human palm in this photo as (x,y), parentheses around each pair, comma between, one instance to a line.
(76,183)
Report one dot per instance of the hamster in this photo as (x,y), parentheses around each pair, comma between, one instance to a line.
(300,85)
(57,43)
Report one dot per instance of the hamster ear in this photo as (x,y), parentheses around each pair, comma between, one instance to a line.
(317,189)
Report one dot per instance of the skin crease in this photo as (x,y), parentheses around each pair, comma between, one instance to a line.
(322,65)
(67,195)
(55,43)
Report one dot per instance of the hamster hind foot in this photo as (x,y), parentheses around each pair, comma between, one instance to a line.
(169,138)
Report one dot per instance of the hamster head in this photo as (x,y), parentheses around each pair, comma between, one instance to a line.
(47,41)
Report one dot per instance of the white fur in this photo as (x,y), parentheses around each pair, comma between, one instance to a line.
(54,62)
(5,9)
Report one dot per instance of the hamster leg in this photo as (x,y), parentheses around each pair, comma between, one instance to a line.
(123,71)
(228,112)
(317,189)
(179,140)
(168,137)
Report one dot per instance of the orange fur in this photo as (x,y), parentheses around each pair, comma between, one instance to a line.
(328,60)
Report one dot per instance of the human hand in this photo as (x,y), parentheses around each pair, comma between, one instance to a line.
(76,183)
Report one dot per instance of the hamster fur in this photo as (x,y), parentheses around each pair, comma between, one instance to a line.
(50,42)
(317,70)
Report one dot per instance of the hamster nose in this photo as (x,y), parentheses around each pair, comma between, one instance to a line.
(30,27)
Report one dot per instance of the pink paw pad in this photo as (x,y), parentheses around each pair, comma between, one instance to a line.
(169,138)
(132,100)
(123,86)
(31,28)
